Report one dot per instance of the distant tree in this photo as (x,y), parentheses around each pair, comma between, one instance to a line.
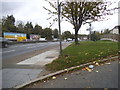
(72,36)
(48,33)
(8,24)
(80,12)
(28,28)
(38,30)
(20,27)
(55,33)
(106,31)
(95,36)
(67,34)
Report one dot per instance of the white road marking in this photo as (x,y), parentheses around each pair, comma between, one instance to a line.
(8,51)
(40,58)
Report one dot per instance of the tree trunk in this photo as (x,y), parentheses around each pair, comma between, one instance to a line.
(76,37)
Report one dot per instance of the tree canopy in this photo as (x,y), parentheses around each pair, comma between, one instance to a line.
(55,33)
(80,12)
(67,34)
(8,25)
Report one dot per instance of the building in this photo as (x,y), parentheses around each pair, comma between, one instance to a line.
(115,30)
(113,35)
(83,37)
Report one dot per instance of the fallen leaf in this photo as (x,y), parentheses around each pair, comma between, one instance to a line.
(53,77)
(44,81)
(108,63)
(97,71)
(65,69)
(88,69)
(97,64)
(34,84)
(78,66)
(83,68)
(65,78)
(94,61)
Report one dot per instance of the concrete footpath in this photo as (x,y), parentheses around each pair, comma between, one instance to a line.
(28,69)
(103,76)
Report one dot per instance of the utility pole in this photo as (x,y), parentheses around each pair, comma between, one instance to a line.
(90,31)
(60,38)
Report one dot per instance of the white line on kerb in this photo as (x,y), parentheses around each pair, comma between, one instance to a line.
(8,51)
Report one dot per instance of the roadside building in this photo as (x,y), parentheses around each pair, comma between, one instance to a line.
(115,30)
(113,35)
(83,37)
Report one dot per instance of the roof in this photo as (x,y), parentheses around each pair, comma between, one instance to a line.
(116,27)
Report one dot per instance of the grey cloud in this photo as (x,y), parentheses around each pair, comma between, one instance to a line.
(10,7)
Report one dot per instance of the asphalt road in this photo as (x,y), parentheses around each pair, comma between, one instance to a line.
(19,52)
(14,74)
(105,76)
(14,50)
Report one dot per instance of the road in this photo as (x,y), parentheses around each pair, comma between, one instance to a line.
(19,49)
(16,53)
(24,62)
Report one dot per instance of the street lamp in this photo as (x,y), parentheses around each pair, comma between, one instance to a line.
(60,38)
(89,29)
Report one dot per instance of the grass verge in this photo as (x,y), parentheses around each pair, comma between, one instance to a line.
(87,51)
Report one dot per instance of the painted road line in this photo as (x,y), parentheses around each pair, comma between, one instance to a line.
(8,51)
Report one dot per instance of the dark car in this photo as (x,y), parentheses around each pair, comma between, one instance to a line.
(3,42)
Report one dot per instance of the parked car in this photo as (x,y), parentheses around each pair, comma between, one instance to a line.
(3,42)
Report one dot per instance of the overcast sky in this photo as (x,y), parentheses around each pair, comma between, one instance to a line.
(32,10)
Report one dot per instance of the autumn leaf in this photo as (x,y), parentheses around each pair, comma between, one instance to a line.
(53,77)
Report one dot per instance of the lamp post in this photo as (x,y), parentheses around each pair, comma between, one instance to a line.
(60,38)
(89,29)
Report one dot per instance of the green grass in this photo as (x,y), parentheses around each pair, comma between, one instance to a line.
(85,52)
